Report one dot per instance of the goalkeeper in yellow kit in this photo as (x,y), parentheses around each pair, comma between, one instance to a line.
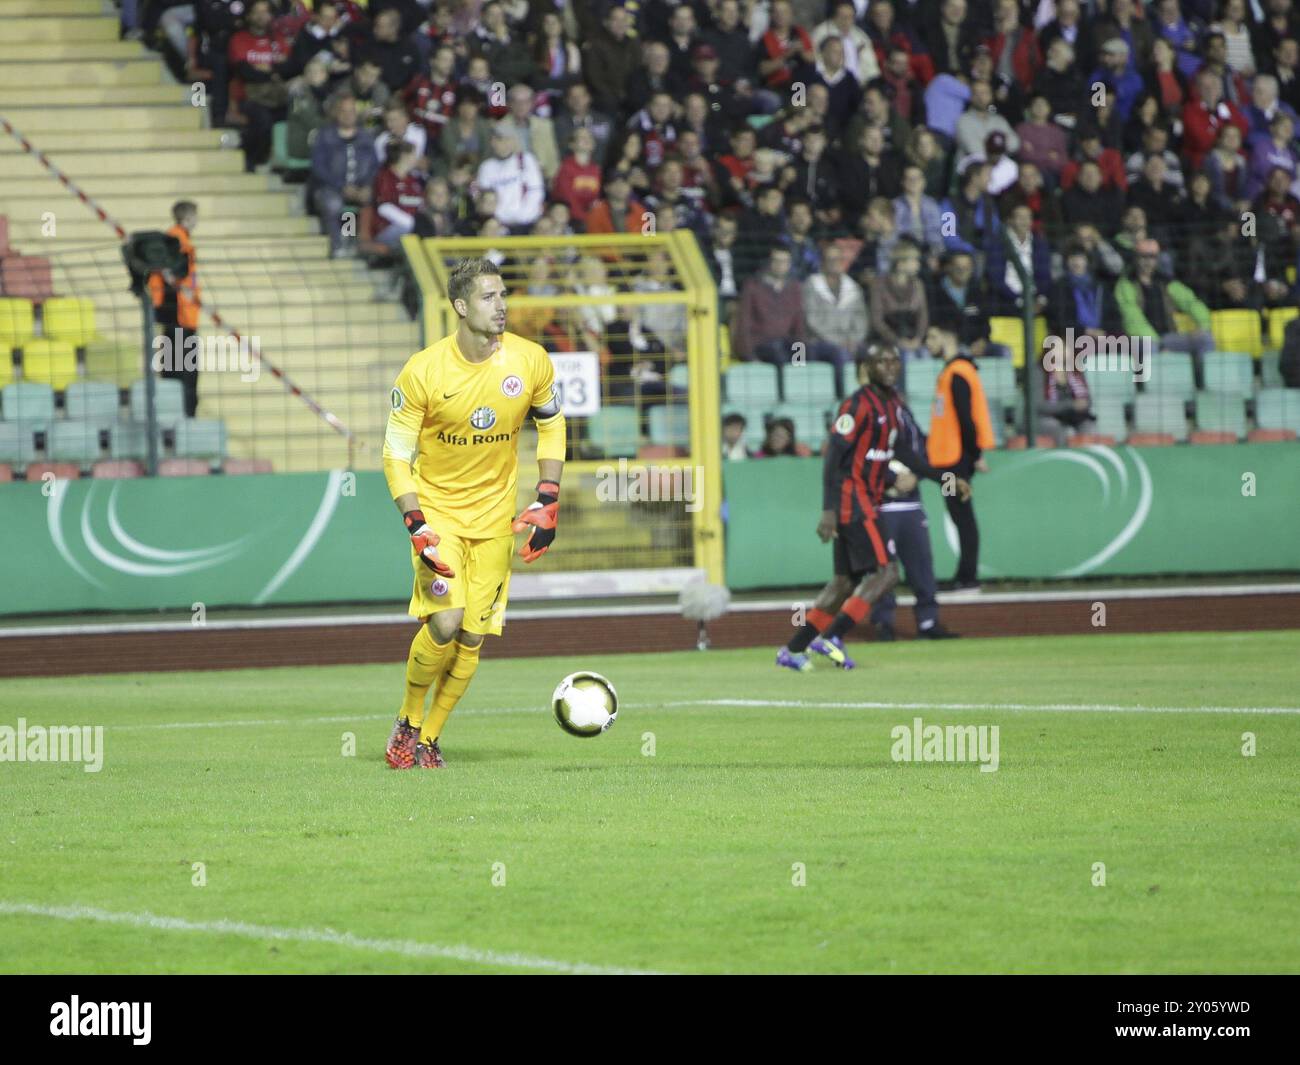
(451,456)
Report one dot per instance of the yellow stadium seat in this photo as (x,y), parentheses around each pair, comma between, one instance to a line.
(1184,323)
(6,364)
(115,361)
(1278,318)
(724,346)
(1237,331)
(69,318)
(15,321)
(1011,332)
(50,362)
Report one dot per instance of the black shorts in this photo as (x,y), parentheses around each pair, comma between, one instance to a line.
(861,548)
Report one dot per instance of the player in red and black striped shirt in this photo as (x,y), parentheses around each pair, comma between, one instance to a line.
(855,477)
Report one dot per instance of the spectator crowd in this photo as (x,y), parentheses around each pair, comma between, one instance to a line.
(854,171)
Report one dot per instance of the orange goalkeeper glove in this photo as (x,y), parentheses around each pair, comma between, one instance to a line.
(542,516)
(425,542)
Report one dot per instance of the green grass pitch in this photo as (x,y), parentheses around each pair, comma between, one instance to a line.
(536,851)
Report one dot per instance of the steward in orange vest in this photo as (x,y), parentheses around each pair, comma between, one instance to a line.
(176,300)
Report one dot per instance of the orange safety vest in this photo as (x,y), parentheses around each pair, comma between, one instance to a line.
(187,289)
(944,445)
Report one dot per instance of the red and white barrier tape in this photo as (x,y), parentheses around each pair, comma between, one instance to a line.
(330,419)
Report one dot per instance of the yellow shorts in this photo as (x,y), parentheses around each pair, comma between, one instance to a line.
(480,587)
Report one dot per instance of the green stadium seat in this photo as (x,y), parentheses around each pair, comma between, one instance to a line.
(670,425)
(1160,414)
(918,382)
(809,422)
(92,401)
(69,318)
(921,412)
(280,158)
(201,438)
(1278,408)
(74,441)
(17,321)
(53,362)
(1109,412)
(28,402)
(169,401)
(1270,373)
(1171,375)
(1111,384)
(614,432)
(812,384)
(18,443)
(1278,318)
(1229,371)
(998,377)
(130,440)
(114,361)
(1222,412)
(680,375)
(752,383)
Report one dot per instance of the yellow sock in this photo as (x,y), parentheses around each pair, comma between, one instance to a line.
(460,670)
(423,665)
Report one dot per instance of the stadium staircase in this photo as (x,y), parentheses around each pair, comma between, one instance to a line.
(109,115)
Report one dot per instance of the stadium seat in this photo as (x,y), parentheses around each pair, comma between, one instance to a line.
(1229,371)
(1278,318)
(53,362)
(243,467)
(680,375)
(28,402)
(752,383)
(169,401)
(1160,414)
(999,379)
(1171,375)
(921,412)
(6,364)
(17,321)
(114,361)
(670,425)
(1109,413)
(1271,436)
(201,438)
(26,276)
(1011,332)
(74,441)
(1221,412)
(614,432)
(809,421)
(1151,440)
(1278,408)
(812,384)
(95,401)
(280,158)
(18,443)
(1237,330)
(918,381)
(60,471)
(129,440)
(1090,440)
(1110,384)
(183,468)
(69,318)
(724,346)
(116,470)
(1270,374)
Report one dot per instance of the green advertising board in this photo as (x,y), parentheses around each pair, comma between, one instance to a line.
(1051,513)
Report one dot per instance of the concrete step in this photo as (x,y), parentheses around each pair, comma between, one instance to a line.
(23,8)
(103,119)
(162,187)
(60,29)
(99,95)
(116,142)
(106,164)
(75,224)
(79,51)
(147,210)
(19,72)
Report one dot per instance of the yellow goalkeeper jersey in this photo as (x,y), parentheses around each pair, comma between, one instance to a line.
(453,431)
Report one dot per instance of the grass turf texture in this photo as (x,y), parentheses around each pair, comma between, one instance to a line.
(682,861)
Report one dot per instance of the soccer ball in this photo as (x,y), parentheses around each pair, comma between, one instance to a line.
(585,704)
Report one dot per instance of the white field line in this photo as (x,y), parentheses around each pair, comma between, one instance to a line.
(795,704)
(408,948)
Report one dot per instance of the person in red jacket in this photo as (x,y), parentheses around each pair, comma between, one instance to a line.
(1204,115)
(1026,55)
(257,56)
(431,98)
(1108,160)
(577,182)
(784,48)
(399,192)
